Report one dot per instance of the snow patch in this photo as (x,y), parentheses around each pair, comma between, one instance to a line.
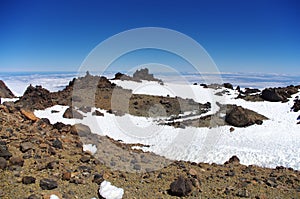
(274,143)
(8,100)
(109,191)
(90,147)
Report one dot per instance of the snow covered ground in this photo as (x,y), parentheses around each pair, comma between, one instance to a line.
(275,142)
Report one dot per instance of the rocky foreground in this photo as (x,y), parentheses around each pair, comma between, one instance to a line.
(38,159)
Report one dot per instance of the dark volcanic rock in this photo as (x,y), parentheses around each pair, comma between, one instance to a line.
(98,179)
(240,117)
(3,163)
(181,187)
(57,144)
(272,95)
(28,180)
(48,184)
(279,94)
(204,85)
(35,98)
(97,113)
(59,125)
(72,113)
(251,91)
(228,85)
(121,76)
(5,92)
(233,159)
(33,196)
(296,106)
(4,152)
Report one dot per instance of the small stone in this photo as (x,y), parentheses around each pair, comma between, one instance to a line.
(48,184)
(98,179)
(72,113)
(51,151)
(3,163)
(97,113)
(33,196)
(230,173)
(28,180)
(271,182)
(231,129)
(4,152)
(66,176)
(85,158)
(137,167)
(243,193)
(26,146)
(52,165)
(57,144)
(193,172)
(17,161)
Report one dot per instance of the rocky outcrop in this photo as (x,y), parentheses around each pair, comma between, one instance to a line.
(240,117)
(143,74)
(35,98)
(278,94)
(121,76)
(5,92)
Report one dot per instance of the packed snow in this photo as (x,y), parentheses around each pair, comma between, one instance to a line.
(274,143)
(8,100)
(109,191)
(90,148)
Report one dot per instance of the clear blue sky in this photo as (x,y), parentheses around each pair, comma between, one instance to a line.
(240,35)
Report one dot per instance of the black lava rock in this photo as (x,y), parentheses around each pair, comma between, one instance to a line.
(48,184)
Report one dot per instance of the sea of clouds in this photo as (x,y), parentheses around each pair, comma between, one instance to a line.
(54,81)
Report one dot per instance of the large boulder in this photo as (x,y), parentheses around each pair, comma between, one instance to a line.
(272,95)
(5,92)
(240,117)
(181,187)
(72,113)
(81,130)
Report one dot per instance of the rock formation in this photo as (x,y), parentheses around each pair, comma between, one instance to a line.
(5,92)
